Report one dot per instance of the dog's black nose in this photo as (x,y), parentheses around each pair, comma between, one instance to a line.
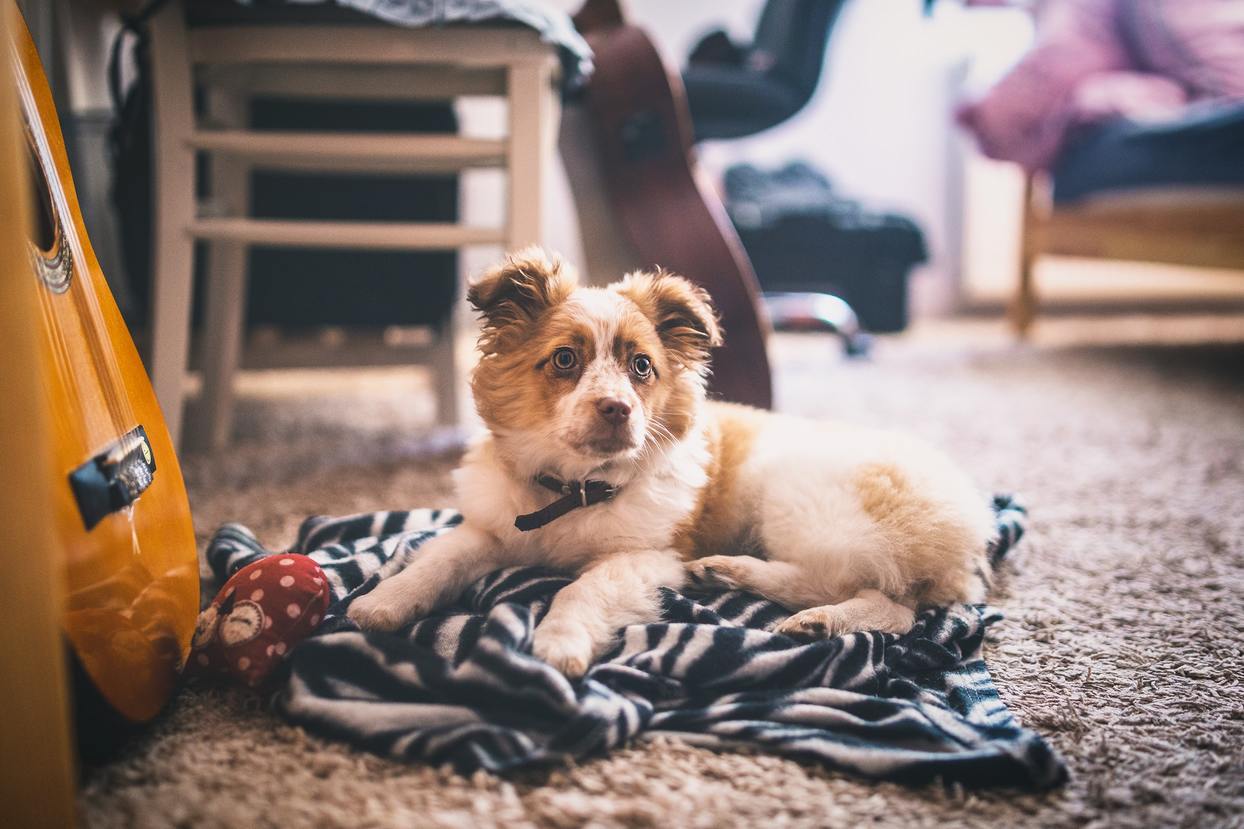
(613,410)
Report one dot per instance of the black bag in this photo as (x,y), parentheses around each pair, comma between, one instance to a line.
(801,236)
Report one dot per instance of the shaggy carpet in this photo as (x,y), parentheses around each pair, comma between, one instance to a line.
(1125,604)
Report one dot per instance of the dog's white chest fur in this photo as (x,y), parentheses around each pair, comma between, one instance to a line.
(654,499)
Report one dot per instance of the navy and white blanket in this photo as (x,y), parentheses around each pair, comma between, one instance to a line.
(462,687)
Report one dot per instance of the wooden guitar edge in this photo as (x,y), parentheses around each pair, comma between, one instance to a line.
(36,761)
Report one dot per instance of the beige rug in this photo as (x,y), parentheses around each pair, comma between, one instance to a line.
(1123,643)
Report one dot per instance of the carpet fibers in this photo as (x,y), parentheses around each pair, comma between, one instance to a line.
(1123,642)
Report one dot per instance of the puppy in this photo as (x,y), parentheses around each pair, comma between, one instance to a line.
(604,458)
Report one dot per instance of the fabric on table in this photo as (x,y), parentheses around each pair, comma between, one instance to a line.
(554,26)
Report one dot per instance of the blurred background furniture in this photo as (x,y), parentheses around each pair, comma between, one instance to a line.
(815,253)
(1179,227)
(1171,191)
(326,59)
(1129,120)
(735,90)
(803,236)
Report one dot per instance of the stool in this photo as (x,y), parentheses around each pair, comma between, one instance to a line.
(341,61)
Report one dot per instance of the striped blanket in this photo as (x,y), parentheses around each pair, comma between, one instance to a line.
(462,687)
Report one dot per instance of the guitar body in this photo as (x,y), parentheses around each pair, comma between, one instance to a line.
(120,512)
(641,133)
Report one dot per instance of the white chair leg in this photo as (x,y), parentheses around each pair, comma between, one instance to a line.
(444,367)
(171,290)
(221,345)
(532,136)
(174,210)
(221,338)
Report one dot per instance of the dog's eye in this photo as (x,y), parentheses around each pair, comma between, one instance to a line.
(564,359)
(641,364)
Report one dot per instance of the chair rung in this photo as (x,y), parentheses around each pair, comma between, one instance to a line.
(353,152)
(354,235)
(368,83)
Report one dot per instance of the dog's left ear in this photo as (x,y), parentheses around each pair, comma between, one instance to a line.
(681,311)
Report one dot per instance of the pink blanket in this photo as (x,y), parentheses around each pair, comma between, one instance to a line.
(1096,59)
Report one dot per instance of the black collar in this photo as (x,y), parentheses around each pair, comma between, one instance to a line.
(575,494)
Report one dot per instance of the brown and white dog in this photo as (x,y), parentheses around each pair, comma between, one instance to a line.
(599,395)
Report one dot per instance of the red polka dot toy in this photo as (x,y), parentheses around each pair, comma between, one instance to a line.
(261,612)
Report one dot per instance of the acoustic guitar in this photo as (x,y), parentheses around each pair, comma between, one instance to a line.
(119,511)
(639,128)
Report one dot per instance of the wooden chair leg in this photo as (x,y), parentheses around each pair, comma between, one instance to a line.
(174,272)
(444,367)
(221,346)
(175,210)
(1024,304)
(532,135)
(1023,308)
(221,340)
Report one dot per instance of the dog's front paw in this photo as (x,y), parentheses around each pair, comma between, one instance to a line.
(568,648)
(386,608)
(721,572)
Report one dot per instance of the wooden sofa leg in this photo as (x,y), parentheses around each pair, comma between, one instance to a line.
(1023,308)
(1024,304)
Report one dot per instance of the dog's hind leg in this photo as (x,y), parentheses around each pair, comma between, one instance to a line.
(778,581)
(868,610)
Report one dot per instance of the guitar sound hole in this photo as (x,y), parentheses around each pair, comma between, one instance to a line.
(43,221)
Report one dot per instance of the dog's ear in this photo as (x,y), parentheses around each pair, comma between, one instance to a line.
(516,292)
(681,311)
